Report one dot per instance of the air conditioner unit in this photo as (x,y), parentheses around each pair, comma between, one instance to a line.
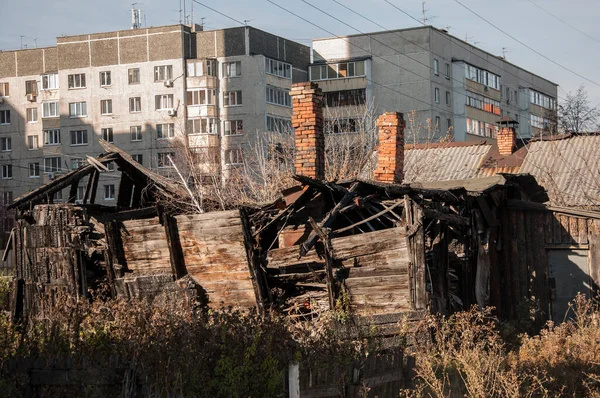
(51,176)
(31,97)
(168,83)
(172,112)
(485,88)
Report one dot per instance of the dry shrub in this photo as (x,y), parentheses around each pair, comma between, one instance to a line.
(465,355)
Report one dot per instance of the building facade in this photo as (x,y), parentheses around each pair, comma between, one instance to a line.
(450,86)
(150,91)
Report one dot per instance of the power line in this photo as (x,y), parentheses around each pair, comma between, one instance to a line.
(564,22)
(219,12)
(527,46)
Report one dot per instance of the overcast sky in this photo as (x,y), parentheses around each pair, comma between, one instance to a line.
(563,44)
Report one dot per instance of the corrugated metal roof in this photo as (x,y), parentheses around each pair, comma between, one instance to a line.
(444,163)
(568,168)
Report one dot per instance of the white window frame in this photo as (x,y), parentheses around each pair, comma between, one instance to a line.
(234,157)
(79,194)
(204,125)
(277,124)
(6,172)
(448,98)
(138,133)
(160,131)
(4,89)
(106,107)
(79,137)
(107,134)
(135,104)
(229,95)
(77,163)
(436,95)
(233,127)
(163,72)
(162,102)
(49,81)
(162,160)
(53,168)
(76,81)
(278,68)
(32,115)
(232,69)
(436,67)
(448,71)
(105,79)
(52,137)
(133,76)
(77,109)
(278,96)
(50,109)
(33,142)
(34,170)
(138,157)
(109,192)
(5,119)
(5,144)
(332,71)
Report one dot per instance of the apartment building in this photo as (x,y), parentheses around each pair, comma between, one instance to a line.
(149,91)
(454,87)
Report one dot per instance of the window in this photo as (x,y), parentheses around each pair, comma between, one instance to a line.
(448,71)
(136,133)
(438,124)
(163,72)
(165,130)
(341,126)
(233,156)
(163,159)
(539,122)
(50,81)
(203,155)
(58,196)
(76,163)
(33,142)
(106,107)
(5,144)
(6,171)
(7,198)
(78,109)
(50,109)
(278,96)
(542,100)
(4,92)
(5,117)
(233,127)
(516,96)
(52,164)
(34,170)
(346,97)
(138,158)
(278,68)
(105,79)
(195,68)
(111,166)
(79,194)
(437,95)
(278,124)
(480,128)
(337,71)
(133,76)
(507,94)
(163,101)
(436,67)
(448,99)
(109,192)
(52,137)
(448,125)
(77,80)
(135,104)
(203,126)
(107,134)
(232,69)
(232,98)
(32,115)
(79,137)
(483,77)
(483,103)
(31,87)
(201,97)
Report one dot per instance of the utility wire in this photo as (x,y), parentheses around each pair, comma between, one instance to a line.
(219,12)
(564,22)
(527,46)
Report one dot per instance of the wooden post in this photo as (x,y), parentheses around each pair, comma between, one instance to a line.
(259,281)
(91,187)
(115,250)
(416,245)
(73,192)
(125,188)
(331,288)
(175,251)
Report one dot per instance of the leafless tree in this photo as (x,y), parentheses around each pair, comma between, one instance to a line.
(575,113)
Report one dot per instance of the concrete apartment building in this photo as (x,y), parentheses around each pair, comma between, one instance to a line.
(460,88)
(147,90)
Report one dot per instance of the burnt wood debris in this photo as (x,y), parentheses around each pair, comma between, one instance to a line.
(385,250)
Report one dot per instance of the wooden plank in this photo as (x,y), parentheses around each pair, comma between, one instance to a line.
(573,230)
(564,222)
(583,231)
(368,243)
(232,215)
(115,250)
(176,257)
(548,227)
(262,293)
(379,282)
(331,289)
(366,220)
(288,256)
(91,187)
(521,259)
(594,256)
(556,228)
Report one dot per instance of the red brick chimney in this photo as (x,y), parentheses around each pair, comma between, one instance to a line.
(307,120)
(507,136)
(390,167)
(507,139)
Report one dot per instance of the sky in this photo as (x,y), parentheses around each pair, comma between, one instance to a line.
(570,38)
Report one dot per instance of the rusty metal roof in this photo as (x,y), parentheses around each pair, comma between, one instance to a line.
(443,163)
(568,168)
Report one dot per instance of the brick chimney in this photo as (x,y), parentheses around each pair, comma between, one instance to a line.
(507,136)
(390,166)
(307,120)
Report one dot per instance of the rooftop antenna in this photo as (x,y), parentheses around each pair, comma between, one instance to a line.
(192,23)
(22,36)
(504,51)
(184,14)
(180,20)
(135,17)
(247,20)
(467,37)
(424,17)
(35,42)
(202,22)
(448,28)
